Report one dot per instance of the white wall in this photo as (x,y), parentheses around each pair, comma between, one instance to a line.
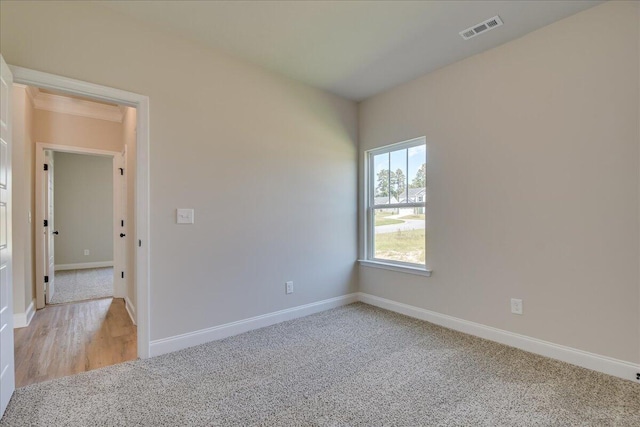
(22,153)
(533,180)
(268,164)
(83,208)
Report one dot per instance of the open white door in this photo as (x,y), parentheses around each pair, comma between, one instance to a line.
(49,231)
(7,370)
(121,223)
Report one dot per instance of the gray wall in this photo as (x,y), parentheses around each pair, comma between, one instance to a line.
(268,164)
(533,183)
(83,208)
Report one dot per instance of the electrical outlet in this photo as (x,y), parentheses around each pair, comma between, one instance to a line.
(516,306)
(86,252)
(289,287)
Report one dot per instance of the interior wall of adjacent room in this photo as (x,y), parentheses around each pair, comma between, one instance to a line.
(268,164)
(83,208)
(22,153)
(129,137)
(533,183)
(77,131)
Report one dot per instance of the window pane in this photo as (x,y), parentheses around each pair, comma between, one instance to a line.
(399,235)
(381,179)
(398,176)
(417,174)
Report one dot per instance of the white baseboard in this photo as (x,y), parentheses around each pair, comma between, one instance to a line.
(83,265)
(178,342)
(596,362)
(22,320)
(130,309)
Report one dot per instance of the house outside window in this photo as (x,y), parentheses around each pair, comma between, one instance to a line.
(396,201)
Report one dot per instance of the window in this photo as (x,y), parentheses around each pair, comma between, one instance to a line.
(396,206)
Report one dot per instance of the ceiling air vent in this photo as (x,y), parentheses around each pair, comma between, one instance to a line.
(482,27)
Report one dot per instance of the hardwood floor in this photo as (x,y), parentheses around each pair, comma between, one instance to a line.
(67,339)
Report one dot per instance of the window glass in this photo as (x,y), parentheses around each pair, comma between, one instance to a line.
(397,211)
(381,170)
(399,236)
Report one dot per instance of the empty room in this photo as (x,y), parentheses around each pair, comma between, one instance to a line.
(320,213)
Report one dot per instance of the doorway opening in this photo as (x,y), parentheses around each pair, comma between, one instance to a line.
(82,199)
(10,78)
(84,228)
(85,233)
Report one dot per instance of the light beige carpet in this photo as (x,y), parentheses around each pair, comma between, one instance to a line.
(351,366)
(80,285)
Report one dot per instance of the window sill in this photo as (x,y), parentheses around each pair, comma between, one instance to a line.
(395,267)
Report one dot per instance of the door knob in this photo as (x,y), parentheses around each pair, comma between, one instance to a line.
(55,232)
(122,234)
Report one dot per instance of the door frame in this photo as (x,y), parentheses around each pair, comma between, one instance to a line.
(42,204)
(141,103)
(119,290)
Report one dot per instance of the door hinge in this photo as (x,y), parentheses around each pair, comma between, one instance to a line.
(46,223)
(122,274)
(121,171)
(46,279)
(46,167)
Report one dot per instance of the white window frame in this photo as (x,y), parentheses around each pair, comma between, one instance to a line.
(370,206)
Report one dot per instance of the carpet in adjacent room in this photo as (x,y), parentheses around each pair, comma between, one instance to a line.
(80,285)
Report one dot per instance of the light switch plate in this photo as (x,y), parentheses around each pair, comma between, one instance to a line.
(184,216)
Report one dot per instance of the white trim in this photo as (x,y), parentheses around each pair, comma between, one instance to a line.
(76,107)
(585,359)
(130,309)
(76,87)
(395,267)
(84,265)
(22,320)
(73,149)
(142,229)
(409,143)
(141,103)
(120,190)
(119,259)
(190,339)
(369,206)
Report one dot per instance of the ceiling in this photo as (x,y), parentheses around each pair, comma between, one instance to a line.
(351,48)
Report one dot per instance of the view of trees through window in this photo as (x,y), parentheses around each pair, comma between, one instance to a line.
(399,184)
(395,183)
